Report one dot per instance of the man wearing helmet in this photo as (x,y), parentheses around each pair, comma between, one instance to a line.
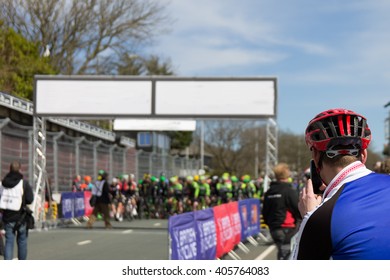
(348,218)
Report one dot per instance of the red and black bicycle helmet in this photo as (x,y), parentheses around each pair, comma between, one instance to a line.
(338,127)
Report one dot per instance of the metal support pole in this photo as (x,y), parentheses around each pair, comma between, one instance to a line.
(77,154)
(111,167)
(39,178)
(272,150)
(2,125)
(95,158)
(55,159)
(137,173)
(31,155)
(151,163)
(201,144)
(124,159)
(256,171)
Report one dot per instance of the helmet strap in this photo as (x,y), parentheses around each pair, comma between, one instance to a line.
(331,152)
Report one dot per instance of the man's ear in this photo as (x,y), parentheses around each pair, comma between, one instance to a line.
(364,156)
(316,157)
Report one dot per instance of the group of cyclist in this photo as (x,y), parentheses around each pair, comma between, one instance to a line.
(161,197)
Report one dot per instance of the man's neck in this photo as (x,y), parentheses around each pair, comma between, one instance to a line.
(328,172)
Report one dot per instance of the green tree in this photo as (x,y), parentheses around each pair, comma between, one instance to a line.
(180,139)
(20,60)
(155,66)
(140,66)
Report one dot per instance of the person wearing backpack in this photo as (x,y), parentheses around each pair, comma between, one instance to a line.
(15,194)
(102,190)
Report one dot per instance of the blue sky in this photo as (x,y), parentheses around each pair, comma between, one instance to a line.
(325,54)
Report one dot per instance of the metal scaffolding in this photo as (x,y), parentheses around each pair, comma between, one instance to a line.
(39,160)
(271,150)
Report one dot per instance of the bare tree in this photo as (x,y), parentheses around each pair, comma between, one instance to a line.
(254,150)
(224,142)
(86,36)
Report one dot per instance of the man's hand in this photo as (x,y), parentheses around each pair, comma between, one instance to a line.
(308,201)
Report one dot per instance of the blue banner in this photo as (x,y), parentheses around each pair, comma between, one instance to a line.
(67,201)
(206,236)
(254,222)
(250,217)
(243,209)
(182,234)
(78,204)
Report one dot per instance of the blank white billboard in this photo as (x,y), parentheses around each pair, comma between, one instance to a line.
(216,98)
(154,125)
(163,97)
(92,97)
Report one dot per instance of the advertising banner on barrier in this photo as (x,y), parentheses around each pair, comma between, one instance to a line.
(211,233)
(182,234)
(206,236)
(244,209)
(224,230)
(254,221)
(79,207)
(67,205)
(235,221)
(87,207)
(250,217)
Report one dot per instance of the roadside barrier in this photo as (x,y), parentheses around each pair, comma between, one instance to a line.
(212,233)
(75,205)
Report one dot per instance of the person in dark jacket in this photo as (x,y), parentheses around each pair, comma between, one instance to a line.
(15,194)
(102,190)
(280,210)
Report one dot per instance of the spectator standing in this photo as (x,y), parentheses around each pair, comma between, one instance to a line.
(15,194)
(86,184)
(280,210)
(76,183)
(102,206)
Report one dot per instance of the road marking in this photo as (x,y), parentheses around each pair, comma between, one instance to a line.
(266,252)
(127,231)
(157,224)
(85,242)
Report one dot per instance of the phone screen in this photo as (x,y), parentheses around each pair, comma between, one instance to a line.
(315,178)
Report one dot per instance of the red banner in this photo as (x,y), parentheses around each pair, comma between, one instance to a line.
(224,230)
(235,221)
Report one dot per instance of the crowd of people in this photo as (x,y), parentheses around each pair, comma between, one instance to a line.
(161,197)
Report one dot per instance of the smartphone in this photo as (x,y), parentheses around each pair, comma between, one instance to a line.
(315,178)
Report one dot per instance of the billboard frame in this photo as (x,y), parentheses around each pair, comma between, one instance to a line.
(155,82)
(39,117)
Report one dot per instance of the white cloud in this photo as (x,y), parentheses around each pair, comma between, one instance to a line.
(339,47)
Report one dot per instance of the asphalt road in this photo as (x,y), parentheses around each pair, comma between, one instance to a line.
(134,240)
